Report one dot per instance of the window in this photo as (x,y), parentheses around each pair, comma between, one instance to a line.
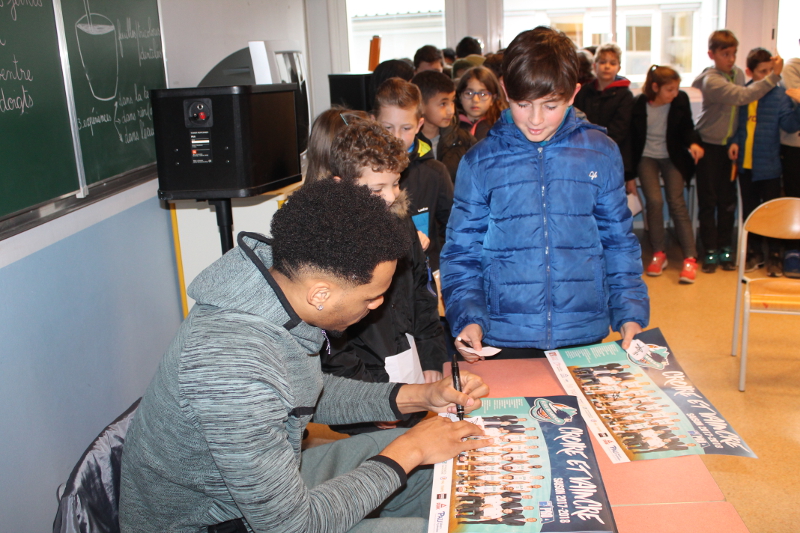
(638,45)
(402,29)
(676,47)
(668,32)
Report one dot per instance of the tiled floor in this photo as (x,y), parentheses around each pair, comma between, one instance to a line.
(697,321)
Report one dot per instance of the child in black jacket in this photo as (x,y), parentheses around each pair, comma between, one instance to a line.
(607,102)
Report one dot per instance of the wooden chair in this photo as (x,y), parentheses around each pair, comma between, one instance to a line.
(779,219)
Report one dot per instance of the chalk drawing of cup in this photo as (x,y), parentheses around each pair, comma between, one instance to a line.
(97,44)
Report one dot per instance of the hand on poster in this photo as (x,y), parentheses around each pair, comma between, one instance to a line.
(432,441)
(628,330)
(441,396)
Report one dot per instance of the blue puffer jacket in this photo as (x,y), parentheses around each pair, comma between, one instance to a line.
(540,251)
(775,112)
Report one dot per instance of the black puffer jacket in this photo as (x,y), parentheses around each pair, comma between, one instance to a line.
(611,108)
(454,142)
(409,307)
(430,192)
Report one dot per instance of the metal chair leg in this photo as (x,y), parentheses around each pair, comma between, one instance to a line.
(745,327)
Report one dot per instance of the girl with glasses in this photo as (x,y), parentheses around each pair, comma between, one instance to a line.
(479,100)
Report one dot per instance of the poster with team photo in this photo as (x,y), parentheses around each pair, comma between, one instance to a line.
(540,474)
(640,404)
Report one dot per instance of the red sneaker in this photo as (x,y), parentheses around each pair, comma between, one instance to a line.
(689,271)
(657,264)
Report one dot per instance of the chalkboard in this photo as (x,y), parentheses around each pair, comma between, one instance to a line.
(37,161)
(115,58)
(75,77)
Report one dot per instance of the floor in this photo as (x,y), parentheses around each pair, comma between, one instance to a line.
(697,321)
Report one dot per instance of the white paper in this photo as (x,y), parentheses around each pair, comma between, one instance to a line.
(486,351)
(634,203)
(405,367)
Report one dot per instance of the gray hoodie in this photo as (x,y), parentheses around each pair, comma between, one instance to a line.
(722,95)
(791,80)
(217,434)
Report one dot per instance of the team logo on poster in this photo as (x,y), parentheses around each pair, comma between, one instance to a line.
(544,410)
(648,355)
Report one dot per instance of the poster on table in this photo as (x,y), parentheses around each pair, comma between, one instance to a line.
(540,474)
(640,404)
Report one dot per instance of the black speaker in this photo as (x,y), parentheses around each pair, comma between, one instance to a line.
(225,142)
(351,90)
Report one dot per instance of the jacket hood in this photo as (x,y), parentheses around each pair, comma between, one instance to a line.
(506,129)
(401,204)
(619,81)
(422,149)
(235,283)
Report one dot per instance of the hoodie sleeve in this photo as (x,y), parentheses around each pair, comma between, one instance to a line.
(628,299)
(720,90)
(461,273)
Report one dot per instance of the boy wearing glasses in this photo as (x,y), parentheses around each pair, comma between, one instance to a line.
(540,253)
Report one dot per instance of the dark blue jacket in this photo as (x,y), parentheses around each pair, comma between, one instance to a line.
(775,111)
(540,250)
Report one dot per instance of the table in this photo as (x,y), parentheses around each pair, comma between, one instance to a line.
(676,495)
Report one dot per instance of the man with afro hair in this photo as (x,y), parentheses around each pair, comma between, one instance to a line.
(216,438)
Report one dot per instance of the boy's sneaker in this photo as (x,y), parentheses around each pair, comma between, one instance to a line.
(774,266)
(689,271)
(726,259)
(791,264)
(657,264)
(754,261)
(710,262)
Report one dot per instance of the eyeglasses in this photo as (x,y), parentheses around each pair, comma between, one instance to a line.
(482,95)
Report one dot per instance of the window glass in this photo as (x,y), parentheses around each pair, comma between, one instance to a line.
(669,32)
(403,28)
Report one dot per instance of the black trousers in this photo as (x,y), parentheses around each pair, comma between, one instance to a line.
(716,197)
(755,193)
(790,158)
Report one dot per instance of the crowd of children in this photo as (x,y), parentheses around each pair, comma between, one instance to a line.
(514,169)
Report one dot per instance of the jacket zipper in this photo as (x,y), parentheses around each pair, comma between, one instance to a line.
(546,251)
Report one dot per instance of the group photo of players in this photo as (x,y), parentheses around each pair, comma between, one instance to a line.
(498,484)
(626,402)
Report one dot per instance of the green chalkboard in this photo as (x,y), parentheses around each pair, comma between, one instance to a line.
(115,58)
(37,161)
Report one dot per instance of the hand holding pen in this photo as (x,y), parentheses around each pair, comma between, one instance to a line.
(457,384)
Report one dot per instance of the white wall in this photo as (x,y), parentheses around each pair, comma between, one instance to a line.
(200,33)
(752,21)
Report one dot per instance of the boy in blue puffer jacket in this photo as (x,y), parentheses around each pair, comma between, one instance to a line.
(540,252)
(756,150)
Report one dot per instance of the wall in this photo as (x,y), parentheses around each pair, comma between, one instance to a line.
(90,303)
(91,300)
(198,34)
(752,21)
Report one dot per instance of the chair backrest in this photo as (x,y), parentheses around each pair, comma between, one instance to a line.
(779,218)
(90,500)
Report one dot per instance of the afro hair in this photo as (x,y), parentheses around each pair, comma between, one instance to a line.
(336,228)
